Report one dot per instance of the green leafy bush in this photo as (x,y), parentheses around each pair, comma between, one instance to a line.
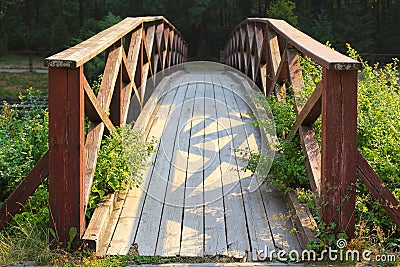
(122,158)
(24,140)
(378,135)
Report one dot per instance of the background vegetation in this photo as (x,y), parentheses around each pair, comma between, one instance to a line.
(51,25)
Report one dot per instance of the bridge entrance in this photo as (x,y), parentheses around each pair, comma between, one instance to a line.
(197,199)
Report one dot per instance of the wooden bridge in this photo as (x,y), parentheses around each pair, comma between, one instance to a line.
(196,198)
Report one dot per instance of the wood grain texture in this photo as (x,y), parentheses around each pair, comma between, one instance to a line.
(339,132)
(378,189)
(83,52)
(320,53)
(311,111)
(27,187)
(66,151)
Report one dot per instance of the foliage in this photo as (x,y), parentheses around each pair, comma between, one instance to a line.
(283,9)
(323,27)
(378,137)
(23,137)
(360,33)
(122,158)
(25,242)
(288,169)
(378,133)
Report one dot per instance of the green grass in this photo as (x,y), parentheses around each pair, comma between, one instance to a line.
(12,84)
(20,61)
(31,243)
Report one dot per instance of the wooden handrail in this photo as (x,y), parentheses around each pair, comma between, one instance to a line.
(85,51)
(267,50)
(135,49)
(308,46)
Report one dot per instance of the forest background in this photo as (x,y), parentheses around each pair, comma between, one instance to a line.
(370,26)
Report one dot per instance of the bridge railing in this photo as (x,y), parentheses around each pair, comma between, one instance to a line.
(135,49)
(268,50)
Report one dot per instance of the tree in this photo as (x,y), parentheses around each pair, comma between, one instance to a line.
(323,29)
(283,9)
(355,25)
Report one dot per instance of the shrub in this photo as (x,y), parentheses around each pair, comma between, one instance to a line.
(24,140)
(122,158)
(378,133)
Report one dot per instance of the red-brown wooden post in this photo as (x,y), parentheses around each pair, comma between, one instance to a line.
(66,144)
(339,130)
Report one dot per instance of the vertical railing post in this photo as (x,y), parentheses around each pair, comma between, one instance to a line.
(66,146)
(339,131)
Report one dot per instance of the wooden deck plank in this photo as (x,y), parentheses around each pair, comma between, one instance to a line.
(169,237)
(126,229)
(147,233)
(192,243)
(197,202)
(236,226)
(274,205)
(258,227)
(214,220)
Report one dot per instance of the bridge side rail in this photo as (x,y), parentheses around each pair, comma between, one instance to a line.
(135,49)
(268,50)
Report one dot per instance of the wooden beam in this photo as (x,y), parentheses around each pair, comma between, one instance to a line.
(26,188)
(311,111)
(312,152)
(320,53)
(66,147)
(92,147)
(93,109)
(296,78)
(281,73)
(378,189)
(339,147)
(83,52)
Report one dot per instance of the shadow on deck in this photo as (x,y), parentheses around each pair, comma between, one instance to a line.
(196,198)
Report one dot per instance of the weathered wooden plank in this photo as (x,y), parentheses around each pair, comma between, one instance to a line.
(282,71)
(109,78)
(92,147)
(134,50)
(169,238)
(149,224)
(192,243)
(214,221)
(275,62)
(339,131)
(148,45)
(83,52)
(311,111)
(66,150)
(312,152)
(26,188)
(98,222)
(124,233)
(309,143)
(306,227)
(237,231)
(378,188)
(296,78)
(258,219)
(320,53)
(96,112)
